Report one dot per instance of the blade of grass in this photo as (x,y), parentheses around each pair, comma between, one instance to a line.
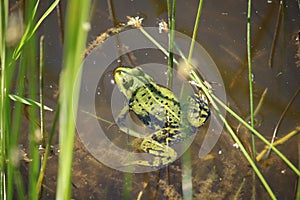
(275,35)
(4,120)
(238,193)
(195,31)
(28,101)
(250,75)
(171,14)
(259,105)
(75,38)
(281,118)
(42,115)
(14,135)
(30,30)
(30,16)
(47,151)
(29,54)
(41,84)
(60,21)
(250,79)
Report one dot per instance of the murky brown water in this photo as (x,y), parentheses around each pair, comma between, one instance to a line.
(222,32)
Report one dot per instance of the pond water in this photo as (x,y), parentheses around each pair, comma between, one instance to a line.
(224,173)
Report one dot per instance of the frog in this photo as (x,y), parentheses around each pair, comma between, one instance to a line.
(158,108)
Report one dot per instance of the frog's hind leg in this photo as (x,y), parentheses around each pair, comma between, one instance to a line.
(197,110)
(163,154)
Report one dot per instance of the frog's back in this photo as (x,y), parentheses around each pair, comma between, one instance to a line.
(156,106)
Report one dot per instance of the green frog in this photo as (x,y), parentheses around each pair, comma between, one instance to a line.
(159,109)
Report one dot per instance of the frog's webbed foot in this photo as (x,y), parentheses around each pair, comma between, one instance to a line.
(163,154)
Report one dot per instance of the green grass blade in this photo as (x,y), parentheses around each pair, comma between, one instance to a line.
(250,79)
(250,75)
(75,39)
(171,14)
(14,135)
(30,30)
(29,55)
(249,159)
(42,115)
(3,98)
(30,20)
(43,17)
(47,151)
(28,102)
(195,31)
(41,88)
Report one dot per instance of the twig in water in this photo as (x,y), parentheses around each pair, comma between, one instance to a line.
(281,118)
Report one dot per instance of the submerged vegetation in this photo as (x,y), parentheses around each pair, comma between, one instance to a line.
(26,137)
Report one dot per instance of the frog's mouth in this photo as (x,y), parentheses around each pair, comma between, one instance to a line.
(123,81)
(130,79)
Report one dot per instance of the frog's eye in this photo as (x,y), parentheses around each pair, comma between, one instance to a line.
(127,83)
(124,80)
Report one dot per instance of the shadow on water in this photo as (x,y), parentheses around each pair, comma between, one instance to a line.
(223,33)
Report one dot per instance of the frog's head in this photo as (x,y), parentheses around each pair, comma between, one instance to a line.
(130,79)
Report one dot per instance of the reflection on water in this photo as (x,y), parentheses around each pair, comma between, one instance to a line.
(222,32)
